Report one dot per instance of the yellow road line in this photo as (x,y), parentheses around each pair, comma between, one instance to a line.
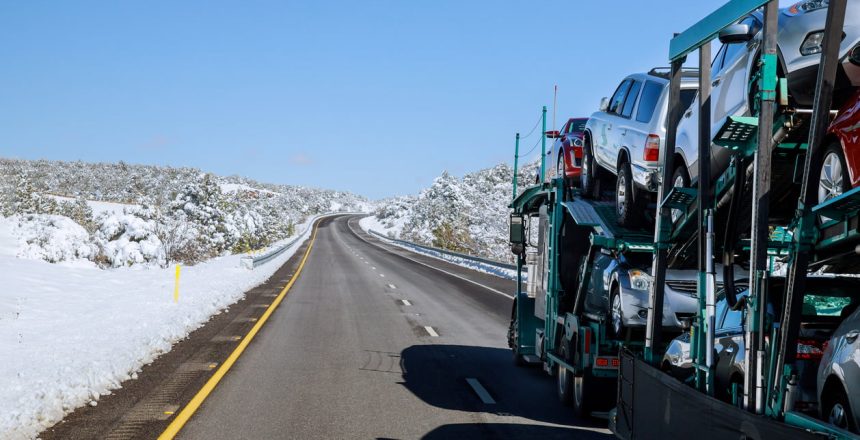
(189,410)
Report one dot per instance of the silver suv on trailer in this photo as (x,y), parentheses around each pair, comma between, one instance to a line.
(625,136)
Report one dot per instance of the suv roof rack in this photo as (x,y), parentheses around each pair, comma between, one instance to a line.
(664,72)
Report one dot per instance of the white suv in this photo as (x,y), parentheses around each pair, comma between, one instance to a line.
(624,139)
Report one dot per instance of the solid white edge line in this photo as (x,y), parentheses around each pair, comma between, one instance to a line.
(480,391)
(431,267)
(430,331)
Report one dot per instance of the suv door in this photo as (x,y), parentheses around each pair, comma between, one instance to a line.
(606,142)
(729,82)
(632,133)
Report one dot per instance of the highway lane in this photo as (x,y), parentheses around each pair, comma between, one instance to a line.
(369,344)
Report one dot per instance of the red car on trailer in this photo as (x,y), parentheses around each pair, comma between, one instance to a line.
(839,168)
(566,151)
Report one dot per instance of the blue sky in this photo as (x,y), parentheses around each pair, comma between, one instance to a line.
(375,97)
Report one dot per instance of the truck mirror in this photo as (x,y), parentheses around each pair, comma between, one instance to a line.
(518,230)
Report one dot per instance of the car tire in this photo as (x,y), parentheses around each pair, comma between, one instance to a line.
(837,411)
(615,325)
(628,207)
(583,394)
(680,177)
(564,379)
(831,174)
(588,177)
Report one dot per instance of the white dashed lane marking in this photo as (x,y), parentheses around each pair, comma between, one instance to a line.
(480,391)
(405,302)
(430,331)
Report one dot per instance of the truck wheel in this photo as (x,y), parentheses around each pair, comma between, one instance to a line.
(564,382)
(588,178)
(514,341)
(628,207)
(583,394)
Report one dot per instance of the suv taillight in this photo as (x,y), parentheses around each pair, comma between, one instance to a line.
(652,148)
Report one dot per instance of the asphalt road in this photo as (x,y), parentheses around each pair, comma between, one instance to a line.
(344,357)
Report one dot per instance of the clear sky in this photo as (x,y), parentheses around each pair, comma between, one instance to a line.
(374,97)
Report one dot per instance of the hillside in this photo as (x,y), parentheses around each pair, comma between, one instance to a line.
(468,214)
(117,215)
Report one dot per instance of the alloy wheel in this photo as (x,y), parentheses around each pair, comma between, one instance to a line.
(621,194)
(830,182)
(837,416)
(616,317)
(679,182)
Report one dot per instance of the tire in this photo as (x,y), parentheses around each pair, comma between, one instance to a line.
(831,174)
(615,326)
(680,177)
(837,411)
(584,397)
(564,380)
(513,340)
(559,166)
(588,177)
(628,207)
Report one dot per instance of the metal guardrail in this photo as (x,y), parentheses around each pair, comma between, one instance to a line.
(487,261)
(252,262)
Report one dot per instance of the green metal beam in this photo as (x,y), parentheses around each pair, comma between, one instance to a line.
(709,27)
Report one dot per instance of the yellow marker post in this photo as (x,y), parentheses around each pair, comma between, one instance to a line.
(176,286)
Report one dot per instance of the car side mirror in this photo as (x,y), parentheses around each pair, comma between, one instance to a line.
(517,234)
(735,33)
(552,134)
(604,104)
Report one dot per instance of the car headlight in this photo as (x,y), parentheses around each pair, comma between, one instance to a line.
(812,44)
(805,6)
(577,142)
(639,279)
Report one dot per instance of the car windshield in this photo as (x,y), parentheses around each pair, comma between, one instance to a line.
(577,125)
(824,305)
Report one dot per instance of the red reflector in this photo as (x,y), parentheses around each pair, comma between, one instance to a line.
(616,362)
(602,362)
(652,148)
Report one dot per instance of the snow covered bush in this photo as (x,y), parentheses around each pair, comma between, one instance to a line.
(53,238)
(468,215)
(128,239)
(171,215)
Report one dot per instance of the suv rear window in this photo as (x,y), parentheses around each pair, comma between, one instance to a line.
(648,102)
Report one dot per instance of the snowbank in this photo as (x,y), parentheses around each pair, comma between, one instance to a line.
(70,333)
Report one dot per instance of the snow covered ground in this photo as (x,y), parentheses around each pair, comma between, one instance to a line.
(372,223)
(71,332)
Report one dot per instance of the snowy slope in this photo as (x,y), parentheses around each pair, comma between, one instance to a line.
(468,214)
(70,333)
